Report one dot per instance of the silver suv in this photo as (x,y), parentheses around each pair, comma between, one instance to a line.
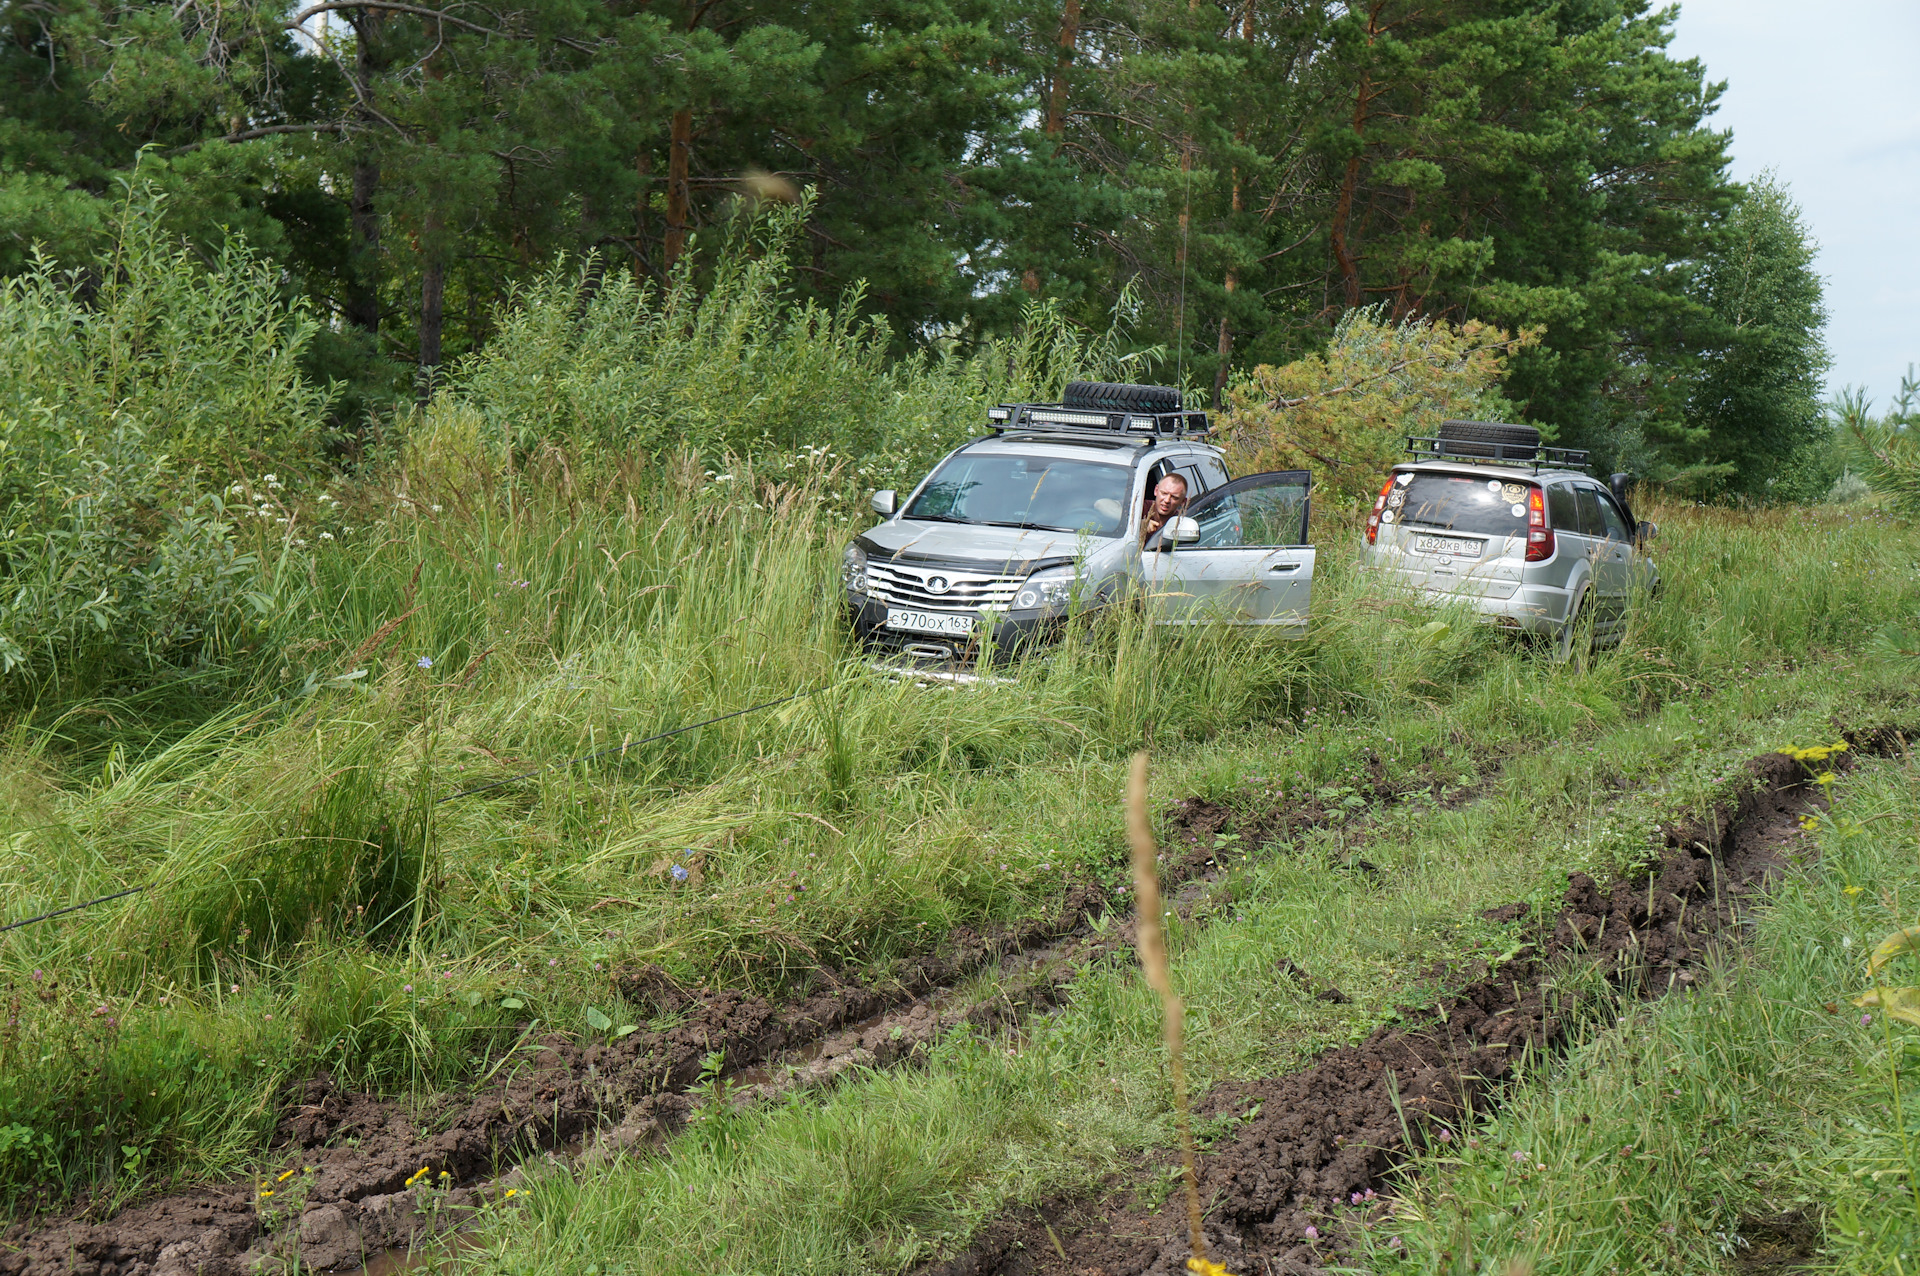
(1484,514)
(1015,528)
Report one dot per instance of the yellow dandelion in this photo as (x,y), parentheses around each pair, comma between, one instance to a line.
(284,1177)
(264,1195)
(1853,890)
(1201,1267)
(512,1192)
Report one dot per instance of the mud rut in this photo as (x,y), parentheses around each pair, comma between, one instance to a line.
(1309,1140)
(1320,1134)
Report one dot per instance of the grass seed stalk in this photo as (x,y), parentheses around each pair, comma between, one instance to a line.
(1153,959)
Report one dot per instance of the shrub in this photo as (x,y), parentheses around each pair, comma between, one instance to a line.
(1345,413)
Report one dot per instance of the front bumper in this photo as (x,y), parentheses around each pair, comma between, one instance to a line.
(1021,632)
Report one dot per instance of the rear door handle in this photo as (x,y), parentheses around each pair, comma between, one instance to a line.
(1283,567)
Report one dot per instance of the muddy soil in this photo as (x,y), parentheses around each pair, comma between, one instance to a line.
(570,1100)
(1305,1143)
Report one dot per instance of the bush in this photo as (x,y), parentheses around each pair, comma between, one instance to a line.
(119,388)
(1345,414)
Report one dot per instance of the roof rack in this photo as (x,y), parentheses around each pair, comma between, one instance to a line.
(1512,454)
(1056,418)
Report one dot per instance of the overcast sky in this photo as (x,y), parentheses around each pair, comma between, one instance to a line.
(1828,96)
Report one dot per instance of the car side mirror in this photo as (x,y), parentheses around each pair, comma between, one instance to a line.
(1179,531)
(885,502)
(1618,483)
(1645,531)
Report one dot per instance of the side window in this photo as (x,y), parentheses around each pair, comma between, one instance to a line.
(1591,522)
(1268,512)
(1212,472)
(1617,528)
(1562,513)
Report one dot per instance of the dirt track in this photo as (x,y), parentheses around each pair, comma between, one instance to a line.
(1317,1137)
(596,1100)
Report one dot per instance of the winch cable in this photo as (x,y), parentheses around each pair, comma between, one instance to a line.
(633,744)
(482,788)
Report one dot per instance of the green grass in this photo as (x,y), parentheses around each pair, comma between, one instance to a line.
(298,864)
(812,1186)
(1761,1094)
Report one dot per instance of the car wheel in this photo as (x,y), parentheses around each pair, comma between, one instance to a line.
(1111,396)
(1575,636)
(1488,439)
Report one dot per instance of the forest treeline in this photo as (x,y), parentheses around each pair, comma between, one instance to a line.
(1244,173)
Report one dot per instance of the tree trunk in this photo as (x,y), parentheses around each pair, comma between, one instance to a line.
(643,171)
(363,284)
(433,297)
(678,146)
(363,275)
(1344,257)
(1057,90)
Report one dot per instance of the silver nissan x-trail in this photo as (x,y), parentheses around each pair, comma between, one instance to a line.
(1482,513)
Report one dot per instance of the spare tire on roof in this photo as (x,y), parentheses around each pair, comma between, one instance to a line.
(1115,396)
(1489,439)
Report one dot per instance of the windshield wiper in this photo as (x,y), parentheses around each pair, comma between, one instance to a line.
(944,518)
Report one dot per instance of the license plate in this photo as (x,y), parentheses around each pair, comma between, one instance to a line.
(929,622)
(1446,545)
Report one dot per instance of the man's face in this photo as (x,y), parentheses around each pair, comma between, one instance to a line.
(1169,497)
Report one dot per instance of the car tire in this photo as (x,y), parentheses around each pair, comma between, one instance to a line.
(1575,637)
(1115,396)
(1488,439)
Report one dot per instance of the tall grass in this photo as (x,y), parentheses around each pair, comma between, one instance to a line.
(1725,1122)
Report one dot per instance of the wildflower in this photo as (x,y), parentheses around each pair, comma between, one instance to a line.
(680,873)
(36,976)
(406,987)
(1519,1156)
(326,536)
(1851,891)
(269,1016)
(436,509)
(284,1177)
(513,1192)
(272,480)
(1865,1020)
(233,988)
(1313,1233)
(596,965)
(1393,1242)
(1446,1135)
(425,662)
(264,1195)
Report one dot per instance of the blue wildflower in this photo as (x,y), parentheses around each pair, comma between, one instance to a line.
(425,662)
(679,872)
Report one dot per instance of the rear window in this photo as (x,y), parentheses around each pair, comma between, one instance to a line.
(1461,503)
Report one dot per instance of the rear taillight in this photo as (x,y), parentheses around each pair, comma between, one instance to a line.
(1379,504)
(1539,535)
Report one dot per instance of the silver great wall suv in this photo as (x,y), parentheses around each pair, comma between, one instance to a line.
(1044,514)
(1484,514)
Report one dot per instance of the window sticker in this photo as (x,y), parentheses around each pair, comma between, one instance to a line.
(1519,511)
(1493,485)
(1513,492)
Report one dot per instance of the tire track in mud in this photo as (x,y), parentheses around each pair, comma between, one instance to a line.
(598,1100)
(1304,1143)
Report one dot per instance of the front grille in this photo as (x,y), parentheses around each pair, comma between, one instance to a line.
(903,586)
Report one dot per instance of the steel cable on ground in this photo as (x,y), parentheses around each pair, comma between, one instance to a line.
(622,747)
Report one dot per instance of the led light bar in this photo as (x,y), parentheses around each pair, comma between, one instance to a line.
(1057,417)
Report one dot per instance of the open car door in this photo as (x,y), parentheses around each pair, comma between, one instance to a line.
(1249,565)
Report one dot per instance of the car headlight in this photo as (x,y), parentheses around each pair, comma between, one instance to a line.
(853,570)
(1050,588)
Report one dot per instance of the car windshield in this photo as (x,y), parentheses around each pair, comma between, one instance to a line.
(1047,492)
(1462,503)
